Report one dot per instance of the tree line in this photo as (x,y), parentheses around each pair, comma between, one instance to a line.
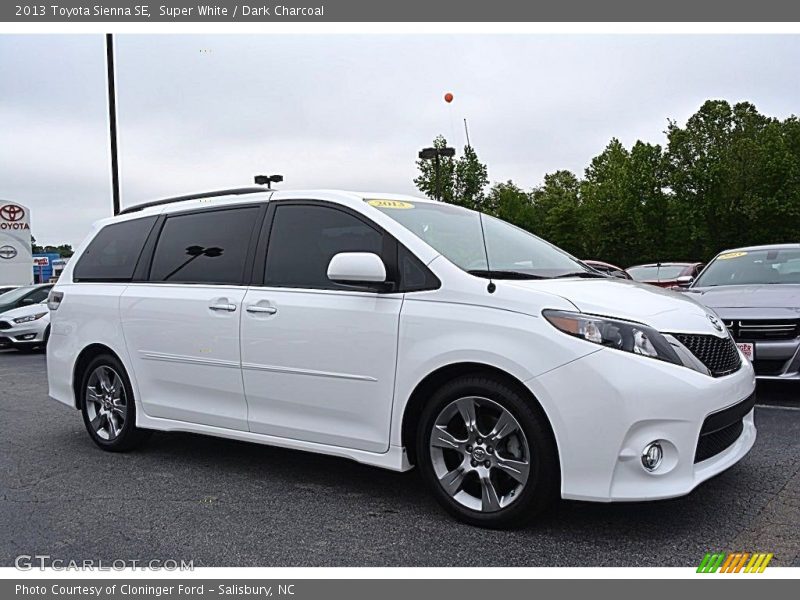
(730,177)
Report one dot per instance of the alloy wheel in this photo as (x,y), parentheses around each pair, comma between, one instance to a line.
(106,402)
(479,454)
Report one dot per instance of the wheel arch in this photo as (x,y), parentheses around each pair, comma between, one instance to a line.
(87,355)
(435,379)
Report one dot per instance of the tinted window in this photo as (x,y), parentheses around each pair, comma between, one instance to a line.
(112,254)
(303,240)
(39,295)
(205,247)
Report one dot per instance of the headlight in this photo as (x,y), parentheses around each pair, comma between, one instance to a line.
(620,335)
(29,318)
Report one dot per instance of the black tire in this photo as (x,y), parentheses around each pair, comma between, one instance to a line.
(543,482)
(129,435)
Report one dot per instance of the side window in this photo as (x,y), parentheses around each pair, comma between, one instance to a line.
(414,276)
(38,295)
(204,247)
(114,251)
(303,240)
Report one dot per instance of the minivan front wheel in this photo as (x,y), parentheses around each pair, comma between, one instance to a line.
(108,408)
(486,453)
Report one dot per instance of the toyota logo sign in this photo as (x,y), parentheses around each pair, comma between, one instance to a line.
(12,213)
(8,252)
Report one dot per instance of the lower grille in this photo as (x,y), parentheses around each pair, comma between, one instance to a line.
(721,429)
(4,325)
(719,354)
(765,366)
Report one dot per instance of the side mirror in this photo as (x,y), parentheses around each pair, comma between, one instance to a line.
(685,281)
(26,302)
(357,268)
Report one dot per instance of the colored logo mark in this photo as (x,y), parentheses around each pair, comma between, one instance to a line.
(735,562)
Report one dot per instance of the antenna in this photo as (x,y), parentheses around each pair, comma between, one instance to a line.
(491,287)
(267,180)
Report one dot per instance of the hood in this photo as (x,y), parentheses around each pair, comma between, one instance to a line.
(24,311)
(765,301)
(658,307)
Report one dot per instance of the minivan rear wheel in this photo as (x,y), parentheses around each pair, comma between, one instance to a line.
(486,453)
(108,407)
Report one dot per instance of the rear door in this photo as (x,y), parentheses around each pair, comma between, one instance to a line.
(318,358)
(181,324)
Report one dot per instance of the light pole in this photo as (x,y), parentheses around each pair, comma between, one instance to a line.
(436,154)
(112,120)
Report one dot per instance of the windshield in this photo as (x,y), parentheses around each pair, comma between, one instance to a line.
(656,273)
(16,294)
(753,267)
(456,233)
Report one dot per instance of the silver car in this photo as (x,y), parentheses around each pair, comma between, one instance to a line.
(756,292)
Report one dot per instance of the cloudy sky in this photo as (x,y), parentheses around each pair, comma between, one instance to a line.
(346,111)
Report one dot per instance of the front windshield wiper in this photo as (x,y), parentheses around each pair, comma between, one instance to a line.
(582,274)
(503,274)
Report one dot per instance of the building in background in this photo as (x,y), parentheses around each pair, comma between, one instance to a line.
(15,244)
(47,266)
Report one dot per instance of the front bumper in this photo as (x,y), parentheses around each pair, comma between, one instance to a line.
(777,359)
(606,407)
(23,335)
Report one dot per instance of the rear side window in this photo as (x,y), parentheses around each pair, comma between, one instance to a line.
(303,240)
(114,251)
(204,247)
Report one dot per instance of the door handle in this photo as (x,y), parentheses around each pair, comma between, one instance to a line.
(223,306)
(255,308)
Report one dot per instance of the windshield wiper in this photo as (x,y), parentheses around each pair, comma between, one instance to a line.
(503,274)
(581,274)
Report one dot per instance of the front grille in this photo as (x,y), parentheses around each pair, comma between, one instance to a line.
(5,325)
(721,429)
(764,329)
(720,355)
(4,341)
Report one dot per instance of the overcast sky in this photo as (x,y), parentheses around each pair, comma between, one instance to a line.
(346,111)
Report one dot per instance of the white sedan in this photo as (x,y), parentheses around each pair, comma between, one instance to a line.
(25,328)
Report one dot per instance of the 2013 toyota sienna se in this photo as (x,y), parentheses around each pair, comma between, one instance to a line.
(397,331)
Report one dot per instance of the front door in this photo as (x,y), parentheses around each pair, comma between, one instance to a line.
(318,358)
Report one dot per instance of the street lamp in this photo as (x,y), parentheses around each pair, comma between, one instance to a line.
(436,154)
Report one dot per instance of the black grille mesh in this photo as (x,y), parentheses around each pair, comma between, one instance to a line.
(5,325)
(720,355)
(712,444)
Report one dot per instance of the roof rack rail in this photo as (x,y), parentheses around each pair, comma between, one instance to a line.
(231,192)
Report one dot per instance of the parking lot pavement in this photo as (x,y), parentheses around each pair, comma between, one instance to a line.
(226,503)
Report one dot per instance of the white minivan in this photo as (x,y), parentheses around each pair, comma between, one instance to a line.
(396,331)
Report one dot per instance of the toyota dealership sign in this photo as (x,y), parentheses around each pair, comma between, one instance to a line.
(16,258)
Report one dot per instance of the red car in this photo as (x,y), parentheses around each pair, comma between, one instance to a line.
(666,274)
(608,269)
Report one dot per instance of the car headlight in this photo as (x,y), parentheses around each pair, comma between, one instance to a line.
(29,318)
(612,333)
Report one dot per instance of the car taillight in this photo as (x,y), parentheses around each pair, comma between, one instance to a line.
(54,299)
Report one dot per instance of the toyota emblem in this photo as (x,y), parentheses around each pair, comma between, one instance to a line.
(12,213)
(715,322)
(8,252)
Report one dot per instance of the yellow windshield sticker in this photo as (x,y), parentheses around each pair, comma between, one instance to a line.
(731,255)
(389,204)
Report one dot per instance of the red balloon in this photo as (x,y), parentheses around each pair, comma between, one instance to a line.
(448,97)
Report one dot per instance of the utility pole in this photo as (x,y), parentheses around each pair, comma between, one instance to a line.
(112,120)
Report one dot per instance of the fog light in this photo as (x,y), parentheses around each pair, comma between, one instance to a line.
(27,336)
(652,456)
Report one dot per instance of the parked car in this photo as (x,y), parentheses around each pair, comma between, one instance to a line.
(24,296)
(756,292)
(25,328)
(608,269)
(667,274)
(396,331)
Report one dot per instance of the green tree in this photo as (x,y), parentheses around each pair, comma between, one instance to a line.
(557,212)
(458,181)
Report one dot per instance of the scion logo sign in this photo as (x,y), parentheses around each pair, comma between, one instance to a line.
(736,562)
(11,216)
(8,252)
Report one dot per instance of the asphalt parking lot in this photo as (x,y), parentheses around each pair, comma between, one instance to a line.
(226,503)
